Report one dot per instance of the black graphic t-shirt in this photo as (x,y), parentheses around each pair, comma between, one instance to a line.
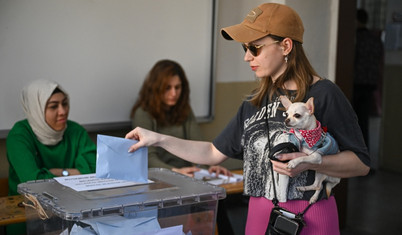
(245,137)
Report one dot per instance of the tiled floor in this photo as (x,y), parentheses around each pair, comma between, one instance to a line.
(374,204)
(374,201)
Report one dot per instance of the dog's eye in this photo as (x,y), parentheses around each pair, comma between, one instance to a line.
(286,115)
(297,115)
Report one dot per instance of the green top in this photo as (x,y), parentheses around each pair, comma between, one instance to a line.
(158,157)
(29,159)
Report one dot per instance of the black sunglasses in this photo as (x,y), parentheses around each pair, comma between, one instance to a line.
(254,49)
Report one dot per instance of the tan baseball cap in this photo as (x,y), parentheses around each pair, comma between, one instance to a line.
(267,19)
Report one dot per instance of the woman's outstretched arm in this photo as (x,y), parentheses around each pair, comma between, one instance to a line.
(199,152)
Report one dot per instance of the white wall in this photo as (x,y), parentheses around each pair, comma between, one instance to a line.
(101,51)
(320,22)
(320,19)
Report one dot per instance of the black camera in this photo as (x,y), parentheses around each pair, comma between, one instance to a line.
(282,222)
(282,148)
(286,225)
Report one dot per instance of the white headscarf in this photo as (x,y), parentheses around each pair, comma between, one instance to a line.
(34,98)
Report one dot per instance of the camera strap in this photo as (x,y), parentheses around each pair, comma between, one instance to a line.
(275,199)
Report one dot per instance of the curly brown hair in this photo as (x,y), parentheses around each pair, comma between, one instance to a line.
(299,69)
(151,94)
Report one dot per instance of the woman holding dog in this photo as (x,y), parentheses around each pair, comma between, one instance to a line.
(272,37)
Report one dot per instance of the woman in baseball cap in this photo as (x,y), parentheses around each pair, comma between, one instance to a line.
(272,36)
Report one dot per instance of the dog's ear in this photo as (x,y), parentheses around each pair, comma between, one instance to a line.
(285,101)
(310,104)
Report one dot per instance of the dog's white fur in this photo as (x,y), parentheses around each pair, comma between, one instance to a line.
(300,116)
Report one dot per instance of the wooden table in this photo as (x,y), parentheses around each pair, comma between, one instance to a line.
(234,188)
(11,210)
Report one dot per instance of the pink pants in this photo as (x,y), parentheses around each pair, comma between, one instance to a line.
(320,218)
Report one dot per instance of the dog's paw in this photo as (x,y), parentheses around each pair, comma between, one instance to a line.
(313,199)
(301,188)
(292,164)
(307,188)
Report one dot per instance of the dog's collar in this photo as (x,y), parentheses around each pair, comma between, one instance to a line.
(310,136)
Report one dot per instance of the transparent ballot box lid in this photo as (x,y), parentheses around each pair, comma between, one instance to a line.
(167,190)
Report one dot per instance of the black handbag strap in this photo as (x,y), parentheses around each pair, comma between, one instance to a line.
(275,199)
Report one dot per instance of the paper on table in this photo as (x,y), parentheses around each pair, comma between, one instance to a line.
(90,182)
(204,175)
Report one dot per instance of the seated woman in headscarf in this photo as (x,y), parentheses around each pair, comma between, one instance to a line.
(46,144)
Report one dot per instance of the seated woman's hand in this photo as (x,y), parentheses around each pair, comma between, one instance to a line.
(189,171)
(219,170)
(58,171)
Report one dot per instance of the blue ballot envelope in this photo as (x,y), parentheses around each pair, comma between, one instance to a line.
(114,161)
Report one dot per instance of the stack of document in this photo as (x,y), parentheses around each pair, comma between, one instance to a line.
(214,179)
(89,182)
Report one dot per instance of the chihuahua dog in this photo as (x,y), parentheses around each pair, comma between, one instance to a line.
(306,133)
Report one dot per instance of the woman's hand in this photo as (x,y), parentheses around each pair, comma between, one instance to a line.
(282,167)
(189,171)
(198,152)
(59,171)
(219,170)
(144,138)
(344,164)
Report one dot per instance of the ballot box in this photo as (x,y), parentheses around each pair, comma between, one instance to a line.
(170,201)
